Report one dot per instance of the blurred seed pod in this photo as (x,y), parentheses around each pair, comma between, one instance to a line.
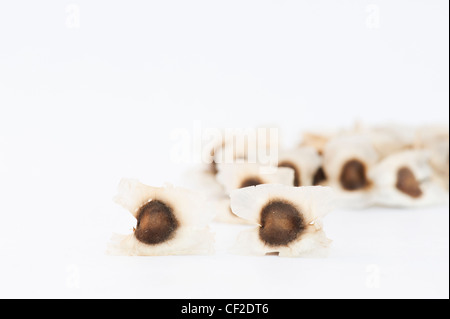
(389,139)
(405,179)
(240,175)
(305,161)
(347,160)
(435,139)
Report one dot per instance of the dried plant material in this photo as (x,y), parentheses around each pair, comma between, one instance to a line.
(428,135)
(216,144)
(212,166)
(201,180)
(439,161)
(259,145)
(347,161)
(156,223)
(407,182)
(224,214)
(281,223)
(435,139)
(353,175)
(240,175)
(319,177)
(318,140)
(291,165)
(405,179)
(388,139)
(289,220)
(169,221)
(305,161)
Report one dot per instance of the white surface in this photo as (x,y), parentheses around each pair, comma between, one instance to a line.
(377,253)
(81,107)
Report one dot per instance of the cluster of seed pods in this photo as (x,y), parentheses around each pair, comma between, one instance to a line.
(286,199)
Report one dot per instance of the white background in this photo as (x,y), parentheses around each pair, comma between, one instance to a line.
(92,91)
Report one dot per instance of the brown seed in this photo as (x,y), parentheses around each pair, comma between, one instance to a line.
(353,175)
(156,223)
(281,223)
(319,176)
(407,182)
(213,168)
(296,171)
(251,181)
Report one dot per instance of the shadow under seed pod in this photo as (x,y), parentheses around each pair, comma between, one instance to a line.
(156,223)
(251,181)
(296,171)
(281,223)
(273,253)
(407,183)
(353,175)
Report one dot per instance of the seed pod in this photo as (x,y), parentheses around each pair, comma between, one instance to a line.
(389,139)
(404,180)
(170,221)
(318,140)
(224,214)
(305,161)
(201,180)
(439,161)
(430,134)
(258,145)
(347,161)
(240,175)
(288,219)
(217,199)
(435,139)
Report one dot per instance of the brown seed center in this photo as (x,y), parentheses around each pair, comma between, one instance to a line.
(407,182)
(156,223)
(319,176)
(353,175)
(281,223)
(296,171)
